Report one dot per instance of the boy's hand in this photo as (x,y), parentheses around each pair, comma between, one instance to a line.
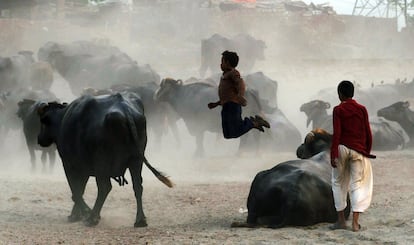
(212,105)
(243,101)
(334,162)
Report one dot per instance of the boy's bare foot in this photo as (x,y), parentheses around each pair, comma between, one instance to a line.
(356,227)
(338,226)
(262,122)
(256,124)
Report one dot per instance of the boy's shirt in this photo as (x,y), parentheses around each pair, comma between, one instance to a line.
(351,128)
(232,88)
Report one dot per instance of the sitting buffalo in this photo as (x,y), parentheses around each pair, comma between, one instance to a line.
(293,193)
(100,136)
(316,141)
(386,135)
(400,112)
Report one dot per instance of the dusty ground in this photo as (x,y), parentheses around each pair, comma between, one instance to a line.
(209,195)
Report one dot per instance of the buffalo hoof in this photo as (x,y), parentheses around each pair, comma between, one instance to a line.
(74,218)
(141,223)
(92,221)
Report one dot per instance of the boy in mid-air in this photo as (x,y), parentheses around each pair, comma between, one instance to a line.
(231,94)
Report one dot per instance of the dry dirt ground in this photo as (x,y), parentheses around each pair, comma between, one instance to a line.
(209,195)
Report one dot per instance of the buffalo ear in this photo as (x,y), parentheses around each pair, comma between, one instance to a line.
(42,109)
(406,104)
(327,105)
(180,82)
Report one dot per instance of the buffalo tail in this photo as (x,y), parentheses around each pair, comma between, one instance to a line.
(162,177)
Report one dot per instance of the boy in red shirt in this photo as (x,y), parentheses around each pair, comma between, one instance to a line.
(350,153)
(231,94)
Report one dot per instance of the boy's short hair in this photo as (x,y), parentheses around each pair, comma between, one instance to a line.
(346,88)
(231,57)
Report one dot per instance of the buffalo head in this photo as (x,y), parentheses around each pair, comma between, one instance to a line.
(51,115)
(167,86)
(316,141)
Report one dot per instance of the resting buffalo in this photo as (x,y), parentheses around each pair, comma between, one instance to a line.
(316,141)
(248,48)
(400,112)
(293,193)
(99,136)
(283,135)
(265,86)
(386,135)
(369,97)
(100,67)
(27,112)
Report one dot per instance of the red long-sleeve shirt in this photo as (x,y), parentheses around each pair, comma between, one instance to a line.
(232,88)
(351,128)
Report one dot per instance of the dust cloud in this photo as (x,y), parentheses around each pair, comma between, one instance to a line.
(303,55)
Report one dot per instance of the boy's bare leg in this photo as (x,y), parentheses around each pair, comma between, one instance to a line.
(340,223)
(355,223)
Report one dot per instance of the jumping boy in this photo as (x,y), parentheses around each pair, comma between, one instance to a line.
(231,94)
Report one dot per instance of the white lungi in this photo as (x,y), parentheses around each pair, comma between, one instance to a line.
(352,174)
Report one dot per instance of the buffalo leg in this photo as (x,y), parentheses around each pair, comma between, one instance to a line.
(32,158)
(135,169)
(52,159)
(174,129)
(104,187)
(43,158)
(77,185)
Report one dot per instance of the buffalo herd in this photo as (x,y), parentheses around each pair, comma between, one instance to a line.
(104,131)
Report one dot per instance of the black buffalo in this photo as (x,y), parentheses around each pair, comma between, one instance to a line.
(293,193)
(190,101)
(264,85)
(41,75)
(84,64)
(159,115)
(248,48)
(14,71)
(373,98)
(9,120)
(99,136)
(283,136)
(400,112)
(317,114)
(386,135)
(316,141)
(27,112)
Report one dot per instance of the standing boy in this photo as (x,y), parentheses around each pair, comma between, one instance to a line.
(231,94)
(350,153)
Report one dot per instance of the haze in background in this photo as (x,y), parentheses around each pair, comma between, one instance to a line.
(302,56)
